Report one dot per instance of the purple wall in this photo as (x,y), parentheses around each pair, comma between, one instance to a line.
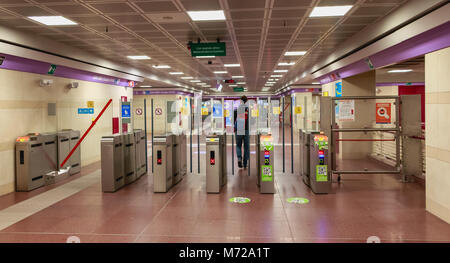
(38,67)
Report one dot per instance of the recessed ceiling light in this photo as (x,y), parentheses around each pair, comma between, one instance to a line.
(161,66)
(205,56)
(176,73)
(276,76)
(280,70)
(52,20)
(206,15)
(286,63)
(186,77)
(195,80)
(321,11)
(139,57)
(220,72)
(232,65)
(316,83)
(295,53)
(400,70)
(237,77)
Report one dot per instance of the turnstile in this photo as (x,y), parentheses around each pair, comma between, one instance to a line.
(265,164)
(304,142)
(75,158)
(162,163)
(112,163)
(129,156)
(139,142)
(216,162)
(320,175)
(36,155)
(63,147)
(179,158)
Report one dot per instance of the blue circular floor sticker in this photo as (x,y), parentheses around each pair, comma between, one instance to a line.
(297,200)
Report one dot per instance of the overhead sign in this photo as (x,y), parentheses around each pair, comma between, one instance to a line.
(229,81)
(383,113)
(126,110)
(238,89)
(338,89)
(85,110)
(369,63)
(52,69)
(217,49)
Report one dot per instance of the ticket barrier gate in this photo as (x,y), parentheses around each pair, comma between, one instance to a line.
(319,174)
(129,156)
(304,139)
(216,162)
(265,163)
(36,156)
(112,163)
(179,157)
(140,162)
(75,159)
(163,163)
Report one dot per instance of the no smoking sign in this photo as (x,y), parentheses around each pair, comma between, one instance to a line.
(138,111)
(158,111)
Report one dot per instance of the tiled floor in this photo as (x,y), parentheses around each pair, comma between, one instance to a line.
(359,207)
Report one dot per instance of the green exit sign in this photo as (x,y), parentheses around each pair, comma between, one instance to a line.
(208,49)
(238,89)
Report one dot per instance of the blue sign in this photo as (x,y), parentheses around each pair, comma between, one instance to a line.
(126,111)
(85,110)
(338,89)
(217,110)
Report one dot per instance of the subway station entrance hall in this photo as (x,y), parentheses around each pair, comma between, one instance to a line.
(224,121)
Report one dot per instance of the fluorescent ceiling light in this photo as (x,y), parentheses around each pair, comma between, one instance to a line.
(237,77)
(146,86)
(186,77)
(280,70)
(195,80)
(276,76)
(286,63)
(52,20)
(316,83)
(205,56)
(232,86)
(206,15)
(139,57)
(232,65)
(206,86)
(399,70)
(161,66)
(176,73)
(241,83)
(295,53)
(220,72)
(321,11)
(270,82)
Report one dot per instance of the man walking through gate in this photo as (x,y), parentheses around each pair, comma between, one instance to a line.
(241,130)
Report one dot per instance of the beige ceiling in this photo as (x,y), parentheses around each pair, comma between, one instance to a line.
(256,32)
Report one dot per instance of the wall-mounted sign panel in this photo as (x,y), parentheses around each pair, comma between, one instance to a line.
(208,49)
(85,110)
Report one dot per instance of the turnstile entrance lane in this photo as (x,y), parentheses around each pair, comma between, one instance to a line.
(216,162)
(129,157)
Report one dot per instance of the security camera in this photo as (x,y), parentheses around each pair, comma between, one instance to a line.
(73,85)
(45,82)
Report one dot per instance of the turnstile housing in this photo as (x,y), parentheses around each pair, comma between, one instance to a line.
(216,162)
(320,174)
(112,162)
(139,139)
(36,155)
(162,163)
(129,153)
(304,140)
(75,158)
(63,147)
(179,158)
(265,164)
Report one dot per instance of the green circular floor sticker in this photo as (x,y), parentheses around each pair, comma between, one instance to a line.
(240,200)
(297,200)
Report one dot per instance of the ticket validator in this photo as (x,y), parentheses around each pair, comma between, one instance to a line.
(216,162)
(162,163)
(319,176)
(265,164)
(112,163)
